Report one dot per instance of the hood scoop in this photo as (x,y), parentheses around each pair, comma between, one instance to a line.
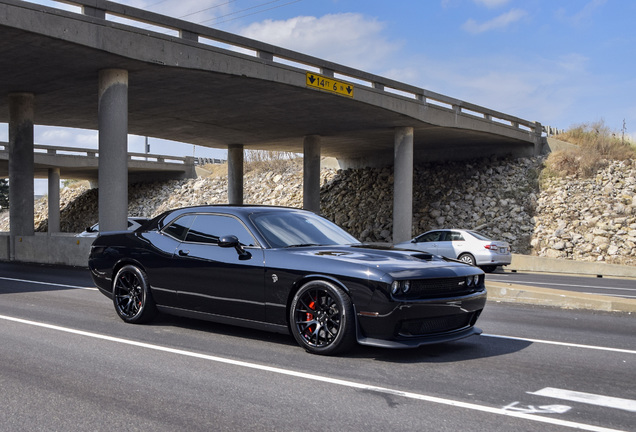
(424,256)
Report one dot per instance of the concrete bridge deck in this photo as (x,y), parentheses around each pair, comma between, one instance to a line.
(184,87)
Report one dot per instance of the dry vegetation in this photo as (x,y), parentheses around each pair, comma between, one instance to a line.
(596,146)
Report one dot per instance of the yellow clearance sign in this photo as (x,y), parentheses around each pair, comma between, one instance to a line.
(329,84)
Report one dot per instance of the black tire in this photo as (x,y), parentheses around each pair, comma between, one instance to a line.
(467,258)
(131,295)
(321,318)
(489,268)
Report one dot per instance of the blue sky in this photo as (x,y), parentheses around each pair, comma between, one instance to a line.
(561,63)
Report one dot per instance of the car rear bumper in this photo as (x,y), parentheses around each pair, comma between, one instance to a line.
(494,259)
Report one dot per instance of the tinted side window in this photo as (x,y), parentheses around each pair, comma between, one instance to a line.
(456,236)
(207,228)
(179,227)
(432,237)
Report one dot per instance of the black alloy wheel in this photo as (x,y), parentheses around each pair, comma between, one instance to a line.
(131,295)
(467,258)
(321,318)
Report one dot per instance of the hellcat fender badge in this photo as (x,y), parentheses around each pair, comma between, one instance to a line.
(274,278)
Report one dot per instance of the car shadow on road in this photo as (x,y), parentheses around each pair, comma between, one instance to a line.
(472,348)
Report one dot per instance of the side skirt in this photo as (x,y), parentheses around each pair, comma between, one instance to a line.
(258,325)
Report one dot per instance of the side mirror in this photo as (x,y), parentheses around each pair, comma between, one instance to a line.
(231,241)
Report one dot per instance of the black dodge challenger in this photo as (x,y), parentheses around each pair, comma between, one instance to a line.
(289,271)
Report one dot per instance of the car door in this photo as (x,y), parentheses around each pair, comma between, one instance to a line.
(445,244)
(456,243)
(218,280)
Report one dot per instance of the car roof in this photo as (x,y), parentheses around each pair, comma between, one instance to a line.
(237,210)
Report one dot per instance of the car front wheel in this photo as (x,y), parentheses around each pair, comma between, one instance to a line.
(131,295)
(321,318)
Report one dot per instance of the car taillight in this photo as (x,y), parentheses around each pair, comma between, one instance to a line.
(491,247)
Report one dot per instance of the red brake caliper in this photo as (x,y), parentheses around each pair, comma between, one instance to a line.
(310,328)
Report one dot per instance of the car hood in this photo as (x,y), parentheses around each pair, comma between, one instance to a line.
(378,259)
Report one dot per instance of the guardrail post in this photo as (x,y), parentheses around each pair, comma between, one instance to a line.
(264,55)
(187,35)
(97,11)
(327,72)
(538,140)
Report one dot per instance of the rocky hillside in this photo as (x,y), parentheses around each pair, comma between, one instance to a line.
(591,220)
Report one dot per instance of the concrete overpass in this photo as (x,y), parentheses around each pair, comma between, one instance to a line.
(162,77)
(82,164)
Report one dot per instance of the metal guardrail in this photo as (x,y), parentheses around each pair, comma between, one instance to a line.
(204,36)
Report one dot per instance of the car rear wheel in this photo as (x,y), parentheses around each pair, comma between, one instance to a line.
(321,318)
(467,258)
(131,295)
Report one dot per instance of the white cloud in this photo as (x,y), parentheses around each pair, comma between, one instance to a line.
(491,3)
(582,15)
(349,38)
(500,22)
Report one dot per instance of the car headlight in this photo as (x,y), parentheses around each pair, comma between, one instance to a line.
(406,286)
(472,281)
(395,287)
(400,287)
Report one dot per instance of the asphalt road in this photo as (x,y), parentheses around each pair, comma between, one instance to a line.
(615,287)
(67,363)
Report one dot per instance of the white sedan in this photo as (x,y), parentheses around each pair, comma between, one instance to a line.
(468,246)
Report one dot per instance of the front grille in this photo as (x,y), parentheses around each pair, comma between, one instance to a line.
(440,288)
(428,326)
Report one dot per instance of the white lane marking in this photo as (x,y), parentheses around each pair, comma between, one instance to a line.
(335,381)
(560,284)
(588,398)
(567,344)
(613,295)
(543,409)
(48,283)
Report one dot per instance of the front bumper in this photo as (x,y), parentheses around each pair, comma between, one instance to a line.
(422,322)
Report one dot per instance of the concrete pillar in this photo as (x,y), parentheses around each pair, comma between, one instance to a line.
(54,200)
(113,149)
(311,173)
(235,174)
(403,184)
(21,170)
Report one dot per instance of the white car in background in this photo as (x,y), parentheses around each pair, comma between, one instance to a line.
(133,224)
(468,246)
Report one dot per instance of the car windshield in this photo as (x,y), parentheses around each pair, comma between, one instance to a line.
(295,229)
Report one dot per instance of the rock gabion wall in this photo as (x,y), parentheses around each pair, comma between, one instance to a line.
(589,219)
(495,196)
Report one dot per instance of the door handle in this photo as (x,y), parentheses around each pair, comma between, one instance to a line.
(184,252)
